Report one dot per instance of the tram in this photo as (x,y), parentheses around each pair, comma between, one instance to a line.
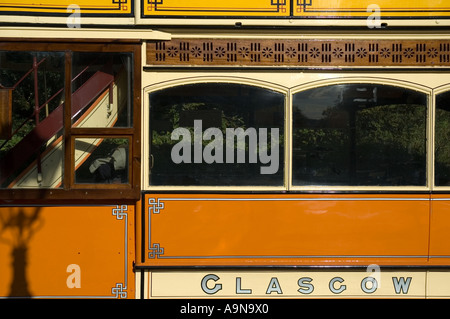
(179,149)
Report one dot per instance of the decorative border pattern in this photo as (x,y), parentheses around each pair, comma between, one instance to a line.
(388,9)
(294,9)
(120,289)
(155,205)
(333,53)
(99,8)
(213,8)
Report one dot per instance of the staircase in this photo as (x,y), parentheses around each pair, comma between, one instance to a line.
(21,153)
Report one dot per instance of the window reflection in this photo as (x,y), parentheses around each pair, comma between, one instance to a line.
(101,89)
(442,136)
(101,160)
(31,116)
(359,134)
(217,134)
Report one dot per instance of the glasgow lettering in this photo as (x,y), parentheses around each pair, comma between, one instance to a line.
(211,284)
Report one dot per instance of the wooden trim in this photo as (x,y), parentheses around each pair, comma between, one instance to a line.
(65,45)
(5,113)
(136,147)
(68,190)
(107,131)
(67,197)
(75,185)
(67,120)
(323,53)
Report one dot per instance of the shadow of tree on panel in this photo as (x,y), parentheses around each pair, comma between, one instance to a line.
(17,227)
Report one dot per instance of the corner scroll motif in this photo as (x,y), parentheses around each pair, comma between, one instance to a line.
(155,251)
(118,291)
(155,205)
(120,211)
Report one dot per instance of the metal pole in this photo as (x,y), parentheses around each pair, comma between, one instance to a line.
(36,115)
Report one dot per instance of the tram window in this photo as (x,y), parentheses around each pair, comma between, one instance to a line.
(217,134)
(46,147)
(99,160)
(34,101)
(101,89)
(442,137)
(359,134)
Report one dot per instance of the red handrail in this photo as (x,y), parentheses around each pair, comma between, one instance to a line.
(37,110)
(50,126)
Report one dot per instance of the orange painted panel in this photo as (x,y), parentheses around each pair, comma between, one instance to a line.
(364,8)
(440,230)
(230,229)
(67,252)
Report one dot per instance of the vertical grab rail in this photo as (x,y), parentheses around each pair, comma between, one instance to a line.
(36,115)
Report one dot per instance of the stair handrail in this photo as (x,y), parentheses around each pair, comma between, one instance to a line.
(37,110)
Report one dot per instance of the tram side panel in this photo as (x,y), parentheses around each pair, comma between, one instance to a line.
(270,230)
(67,252)
(440,230)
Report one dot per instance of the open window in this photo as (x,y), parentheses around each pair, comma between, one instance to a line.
(68,114)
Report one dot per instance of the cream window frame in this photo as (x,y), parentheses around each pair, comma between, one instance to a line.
(199,80)
(381,81)
(436,91)
(281,82)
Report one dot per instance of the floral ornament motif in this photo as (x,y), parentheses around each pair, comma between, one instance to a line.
(408,53)
(172,51)
(291,52)
(361,52)
(196,51)
(219,52)
(432,53)
(385,53)
(314,52)
(244,52)
(338,53)
(267,52)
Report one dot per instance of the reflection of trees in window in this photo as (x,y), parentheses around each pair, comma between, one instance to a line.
(442,138)
(36,83)
(357,134)
(50,82)
(31,155)
(87,65)
(395,137)
(217,105)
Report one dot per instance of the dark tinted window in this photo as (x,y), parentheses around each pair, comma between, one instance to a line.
(102,82)
(359,134)
(101,160)
(31,103)
(217,134)
(442,138)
